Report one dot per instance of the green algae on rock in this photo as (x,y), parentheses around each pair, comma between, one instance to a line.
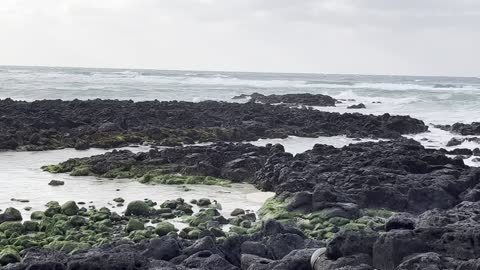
(322,224)
(144,174)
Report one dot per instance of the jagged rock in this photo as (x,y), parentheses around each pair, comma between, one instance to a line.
(292,99)
(164,248)
(357,106)
(56,183)
(400,221)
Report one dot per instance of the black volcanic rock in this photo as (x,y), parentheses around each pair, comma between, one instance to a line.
(305,99)
(50,124)
(357,106)
(462,129)
(400,175)
(233,161)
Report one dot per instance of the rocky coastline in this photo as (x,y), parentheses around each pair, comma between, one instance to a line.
(54,124)
(389,205)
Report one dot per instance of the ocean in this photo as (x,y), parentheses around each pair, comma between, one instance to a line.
(439,100)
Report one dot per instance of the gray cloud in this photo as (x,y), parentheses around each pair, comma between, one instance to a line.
(340,36)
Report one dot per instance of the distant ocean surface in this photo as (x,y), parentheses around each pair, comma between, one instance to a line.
(442,100)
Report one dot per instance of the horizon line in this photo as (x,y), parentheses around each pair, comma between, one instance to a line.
(240,71)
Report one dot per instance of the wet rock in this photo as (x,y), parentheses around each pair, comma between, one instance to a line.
(391,248)
(82,145)
(428,260)
(204,202)
(19,200)
(56,183)
(256,248)
(70,208)
(465,129)
(237,212)
(292,99)
(108,260)
(454,142)
(134,225)
(250,261)
(138,208)
(348,243)
(406,177)
(404,221)
(204,244)
(163,248)
(10,214)
(37,215)
(119,200)
(208,261)
(163,228)
(357,106)
(282,244)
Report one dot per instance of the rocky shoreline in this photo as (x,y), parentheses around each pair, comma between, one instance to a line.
(53,124)
(376,205)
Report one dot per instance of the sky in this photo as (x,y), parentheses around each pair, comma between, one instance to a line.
(407,37)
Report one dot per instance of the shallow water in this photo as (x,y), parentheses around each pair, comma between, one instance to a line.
(22,178)
(297,145)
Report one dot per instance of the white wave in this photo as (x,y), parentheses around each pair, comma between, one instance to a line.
(355,97)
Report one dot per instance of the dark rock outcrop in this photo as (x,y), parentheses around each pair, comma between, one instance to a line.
(357,106)
(50,124)
(305,99)
(399,175)
(461,128)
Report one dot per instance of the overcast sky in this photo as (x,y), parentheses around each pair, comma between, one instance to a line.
(418,37)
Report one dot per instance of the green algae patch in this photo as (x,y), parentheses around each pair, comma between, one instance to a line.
(111,140)
(9,255)
(69,247)
(164,228)
(176,179)
(318,224)
(275,208)
(146,174)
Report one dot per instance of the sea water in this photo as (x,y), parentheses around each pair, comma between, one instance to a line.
(435,100)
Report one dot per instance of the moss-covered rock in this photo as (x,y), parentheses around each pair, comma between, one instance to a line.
(237,212)
(53,209)
(9,255)
(134,225)
(83,170)
(70,208)
(69,247)
(30,226)
(194,234)
(77,221)
(37,215)
(12,226)
(138,208)
(163,228)
(10,214)
(203,216)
